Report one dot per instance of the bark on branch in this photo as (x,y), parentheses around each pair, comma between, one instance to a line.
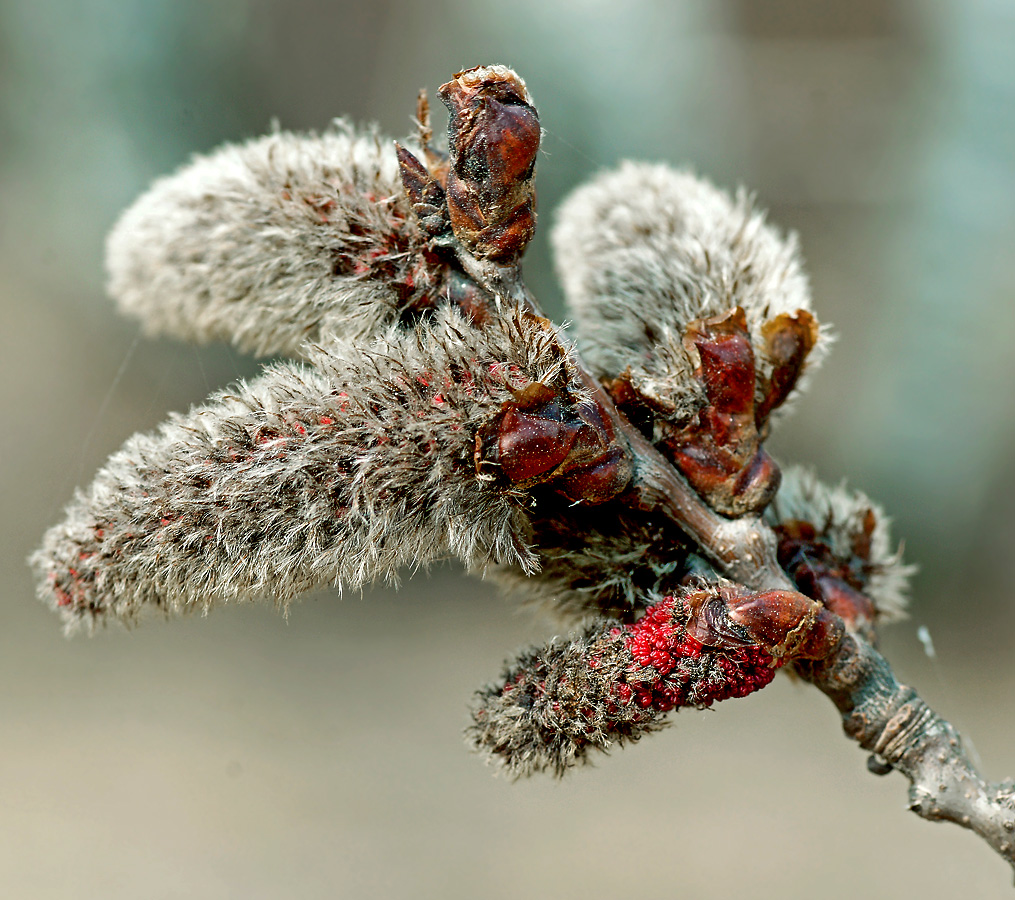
(884,717)
(890,720)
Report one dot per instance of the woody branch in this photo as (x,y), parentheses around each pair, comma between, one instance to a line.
(884,717)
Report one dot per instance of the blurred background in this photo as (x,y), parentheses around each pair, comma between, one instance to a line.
(244,755)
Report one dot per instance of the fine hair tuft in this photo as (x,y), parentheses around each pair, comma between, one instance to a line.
(269,244)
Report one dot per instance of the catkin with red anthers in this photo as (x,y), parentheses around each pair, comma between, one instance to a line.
(611,684)
(340,474)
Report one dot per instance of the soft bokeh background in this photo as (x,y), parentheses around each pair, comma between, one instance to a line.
(243,755)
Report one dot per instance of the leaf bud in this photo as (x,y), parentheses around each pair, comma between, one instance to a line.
(493,139)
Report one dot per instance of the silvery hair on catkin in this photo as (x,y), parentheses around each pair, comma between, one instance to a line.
(339,474)
(269,244)
(645,249)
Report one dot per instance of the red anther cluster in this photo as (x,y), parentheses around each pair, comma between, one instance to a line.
(657,640)
(678,670)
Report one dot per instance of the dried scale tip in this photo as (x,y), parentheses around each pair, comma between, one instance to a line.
(437,161)
(425,193)
(613,683)
(285,239)
(305,478)
(836,545)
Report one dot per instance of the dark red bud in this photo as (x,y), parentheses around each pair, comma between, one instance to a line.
(532,445)
(470,298)
(719,451)
(493,138)
(542,436)
(600,480)
(755,485)
(862,540)
(726,361)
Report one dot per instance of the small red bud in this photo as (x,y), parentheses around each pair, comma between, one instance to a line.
(543,436)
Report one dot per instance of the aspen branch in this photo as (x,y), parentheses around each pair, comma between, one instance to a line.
(890,720)
(884,717)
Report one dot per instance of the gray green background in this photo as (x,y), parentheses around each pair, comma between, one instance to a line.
(244,755)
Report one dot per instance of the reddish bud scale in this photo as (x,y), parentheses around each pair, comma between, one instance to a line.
(837,583)
(493,137)
(720,451)
(546,436)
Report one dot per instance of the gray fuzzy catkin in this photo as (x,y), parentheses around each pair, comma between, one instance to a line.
(643,250)
(838,515)
(338,474)
(560,707)
(285,239)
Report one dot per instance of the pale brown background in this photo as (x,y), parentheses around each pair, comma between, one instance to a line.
(245,756)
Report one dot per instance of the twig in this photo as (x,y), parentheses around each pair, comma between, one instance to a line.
(890,720)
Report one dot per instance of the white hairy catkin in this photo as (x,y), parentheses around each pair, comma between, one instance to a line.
(285,239)
(305,477)
(643,250)
(838,514)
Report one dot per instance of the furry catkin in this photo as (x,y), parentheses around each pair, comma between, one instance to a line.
(608,685)
(853,530)
(643,250)
(608,563)
(305,477)
(285,239)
